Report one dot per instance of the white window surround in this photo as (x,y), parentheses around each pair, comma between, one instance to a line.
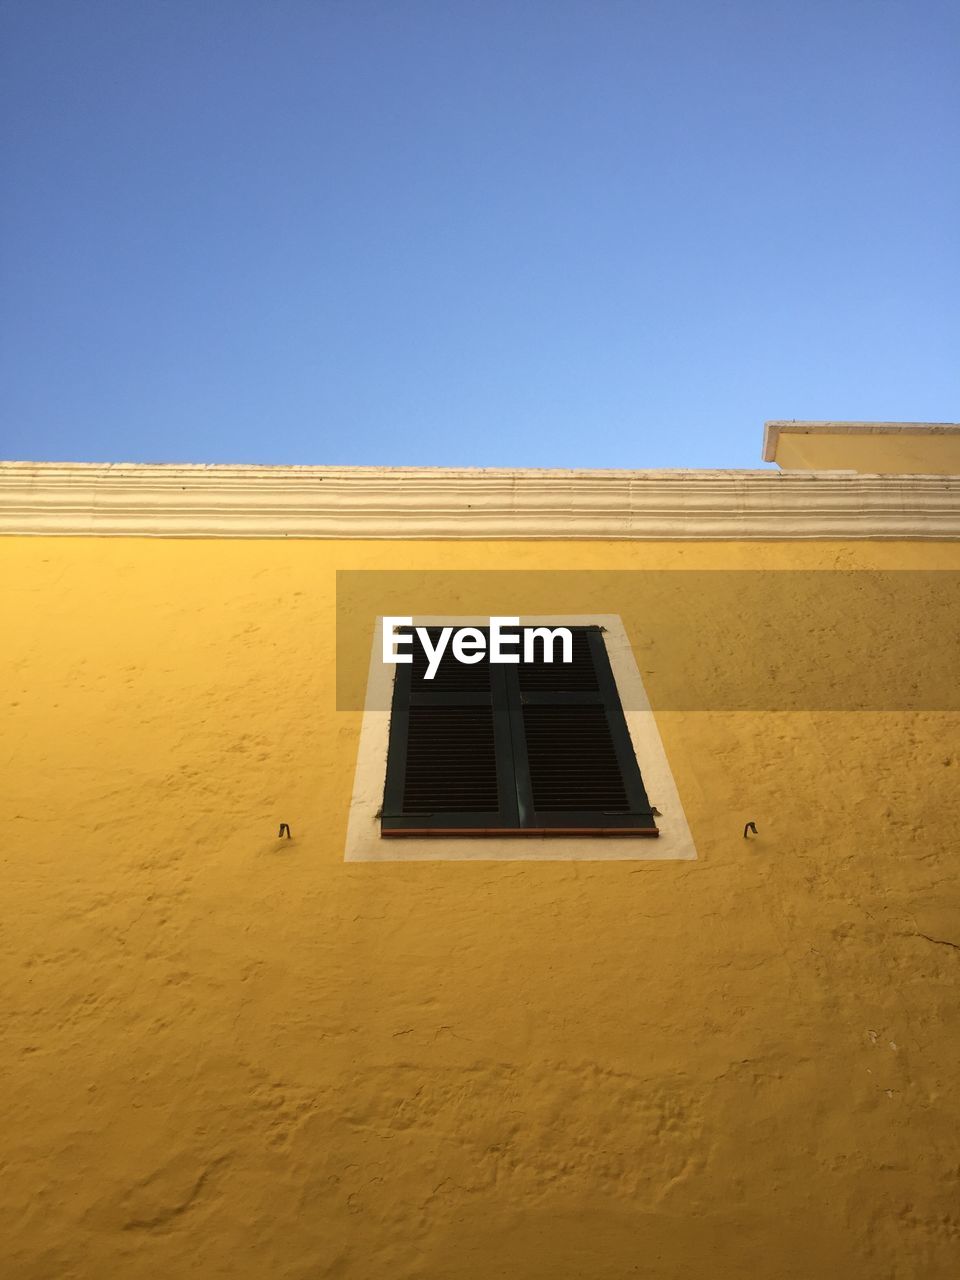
(365,844)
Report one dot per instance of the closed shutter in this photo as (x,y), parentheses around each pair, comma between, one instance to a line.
(530,749)
(449,767)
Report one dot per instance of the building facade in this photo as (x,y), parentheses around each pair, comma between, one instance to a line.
(247,1035)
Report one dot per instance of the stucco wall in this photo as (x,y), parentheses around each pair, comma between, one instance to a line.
(230,1055)
(895,452)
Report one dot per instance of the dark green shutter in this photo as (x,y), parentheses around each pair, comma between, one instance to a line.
(449,767)
(502,749)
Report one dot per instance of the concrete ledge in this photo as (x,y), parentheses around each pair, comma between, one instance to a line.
(887,448)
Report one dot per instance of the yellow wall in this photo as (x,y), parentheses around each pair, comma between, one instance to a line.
(912,452)
(230,1056)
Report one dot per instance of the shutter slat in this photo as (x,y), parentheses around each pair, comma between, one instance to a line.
(573,764)
(451,761)
(451,676)
(560,677)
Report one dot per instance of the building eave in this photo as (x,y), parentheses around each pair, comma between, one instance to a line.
(220,501)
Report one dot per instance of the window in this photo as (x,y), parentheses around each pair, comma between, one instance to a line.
(448,839)
(528,749)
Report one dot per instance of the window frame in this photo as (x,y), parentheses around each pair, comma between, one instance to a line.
(517,816)
(364,843)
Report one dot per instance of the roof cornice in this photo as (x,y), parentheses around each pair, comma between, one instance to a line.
(187,501)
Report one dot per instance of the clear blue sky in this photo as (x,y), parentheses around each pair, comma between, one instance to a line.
(480,232)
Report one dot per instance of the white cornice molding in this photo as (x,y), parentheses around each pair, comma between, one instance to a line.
(174,501)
